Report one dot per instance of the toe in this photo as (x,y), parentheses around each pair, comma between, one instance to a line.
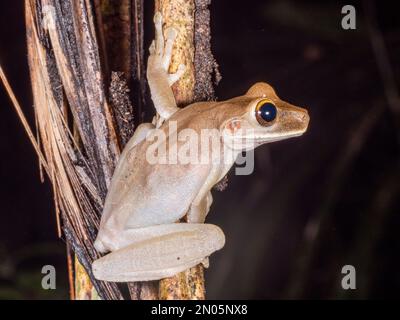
(171,33)
(158,18)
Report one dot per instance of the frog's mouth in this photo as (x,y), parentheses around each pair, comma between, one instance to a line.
(243,142)
(270,137)
(262,139)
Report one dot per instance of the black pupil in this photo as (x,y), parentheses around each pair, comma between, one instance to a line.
(267,111)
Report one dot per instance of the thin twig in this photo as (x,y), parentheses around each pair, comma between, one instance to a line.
(70,272)
(21,116)
(383,62)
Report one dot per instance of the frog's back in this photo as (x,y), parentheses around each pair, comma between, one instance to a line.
(142,194)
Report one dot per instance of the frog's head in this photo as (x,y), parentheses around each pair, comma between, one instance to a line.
(264,118)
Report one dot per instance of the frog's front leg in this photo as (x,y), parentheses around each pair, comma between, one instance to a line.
(202,202)
(198,210)
(160,81)
(157,252)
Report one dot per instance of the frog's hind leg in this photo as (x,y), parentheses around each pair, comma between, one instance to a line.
(158,252)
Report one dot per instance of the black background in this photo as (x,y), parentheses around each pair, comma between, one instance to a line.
(337,171)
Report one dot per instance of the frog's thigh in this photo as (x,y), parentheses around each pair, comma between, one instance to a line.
(159,251)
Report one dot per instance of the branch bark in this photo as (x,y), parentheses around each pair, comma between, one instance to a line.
(87,65)
(75,122)
(192,48)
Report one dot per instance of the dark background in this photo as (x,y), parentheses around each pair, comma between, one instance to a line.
(312,205)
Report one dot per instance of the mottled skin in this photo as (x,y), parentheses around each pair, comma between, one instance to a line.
(146,200)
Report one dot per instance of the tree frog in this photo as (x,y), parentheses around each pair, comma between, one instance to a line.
(140,223)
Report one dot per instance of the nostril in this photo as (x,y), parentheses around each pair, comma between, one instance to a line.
(305,117)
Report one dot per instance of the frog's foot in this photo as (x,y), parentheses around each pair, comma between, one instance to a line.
(158,252)
(159,78)
(161,50)
(170,35)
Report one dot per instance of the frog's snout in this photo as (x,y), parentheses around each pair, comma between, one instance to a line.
(300,119)
(299,114)
(305,118)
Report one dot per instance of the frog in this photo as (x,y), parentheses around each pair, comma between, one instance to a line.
(141,232)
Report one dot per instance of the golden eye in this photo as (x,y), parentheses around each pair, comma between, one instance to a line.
(265,112)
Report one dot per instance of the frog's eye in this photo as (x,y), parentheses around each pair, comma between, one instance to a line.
(265,112)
